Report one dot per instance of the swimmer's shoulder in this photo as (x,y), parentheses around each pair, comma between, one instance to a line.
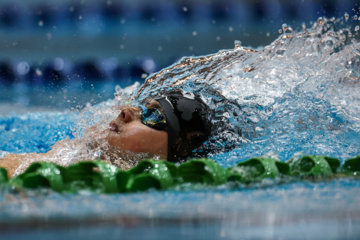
(11,162)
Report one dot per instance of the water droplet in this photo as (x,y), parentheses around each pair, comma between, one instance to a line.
(357,28)
(59,64)
(185,9)
(118,88)
(149,65)
(218,38)
(41,23)
(268,34)
(237,43)
(231,29)
(280,52)
(194,33)
(303,26)
(329,43)
(38,72)
(23,68)
(284,27)
(346,16)
(80,17)
(248,69)
(320,21)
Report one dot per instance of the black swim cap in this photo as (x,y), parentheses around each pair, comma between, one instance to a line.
(187,122)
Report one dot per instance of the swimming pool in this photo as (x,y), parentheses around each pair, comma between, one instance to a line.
(307,103)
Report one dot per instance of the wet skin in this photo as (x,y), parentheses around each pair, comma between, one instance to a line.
(130,134)
(126,132)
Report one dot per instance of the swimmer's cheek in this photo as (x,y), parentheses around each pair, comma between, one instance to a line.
(95,132)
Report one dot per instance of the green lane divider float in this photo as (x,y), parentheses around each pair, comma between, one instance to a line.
(3,176)
(205,171)
(91,175)
(256,169)
(40,174)
(352,166)
(100,177)
(151,174)
(314,166)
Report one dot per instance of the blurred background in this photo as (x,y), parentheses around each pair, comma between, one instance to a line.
(64,54)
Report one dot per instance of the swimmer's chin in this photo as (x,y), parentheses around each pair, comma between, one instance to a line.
(97,138)
(109,136)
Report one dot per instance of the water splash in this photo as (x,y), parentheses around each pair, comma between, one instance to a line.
(82,134)
(300,93)
(297,94)
(284,27)
(237,44)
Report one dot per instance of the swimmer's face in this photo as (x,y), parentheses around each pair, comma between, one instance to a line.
(130,134)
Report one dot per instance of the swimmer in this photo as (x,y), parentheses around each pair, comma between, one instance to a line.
(167,127)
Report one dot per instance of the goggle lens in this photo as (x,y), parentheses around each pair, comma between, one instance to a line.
(154,118)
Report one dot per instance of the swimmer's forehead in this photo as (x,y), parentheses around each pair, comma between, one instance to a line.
(151,103)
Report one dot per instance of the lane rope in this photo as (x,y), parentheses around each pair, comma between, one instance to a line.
(100,177)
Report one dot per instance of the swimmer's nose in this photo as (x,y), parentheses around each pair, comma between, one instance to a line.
(129,114)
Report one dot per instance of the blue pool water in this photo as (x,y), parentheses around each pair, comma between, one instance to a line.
(296,211)
(297,95)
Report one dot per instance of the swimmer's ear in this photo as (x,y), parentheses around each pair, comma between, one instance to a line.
(186,145)
(194,135)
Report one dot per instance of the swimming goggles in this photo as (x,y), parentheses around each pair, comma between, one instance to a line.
(154,118)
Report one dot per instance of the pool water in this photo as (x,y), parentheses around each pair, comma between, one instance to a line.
(296,95)
(301,210)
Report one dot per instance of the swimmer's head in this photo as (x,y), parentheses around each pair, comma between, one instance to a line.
(169,127)
(185,118)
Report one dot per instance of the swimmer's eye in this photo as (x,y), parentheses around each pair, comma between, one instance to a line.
(154,118)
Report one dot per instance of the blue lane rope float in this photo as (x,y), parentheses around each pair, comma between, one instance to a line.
(100,177)
(81,70)
(43,16)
